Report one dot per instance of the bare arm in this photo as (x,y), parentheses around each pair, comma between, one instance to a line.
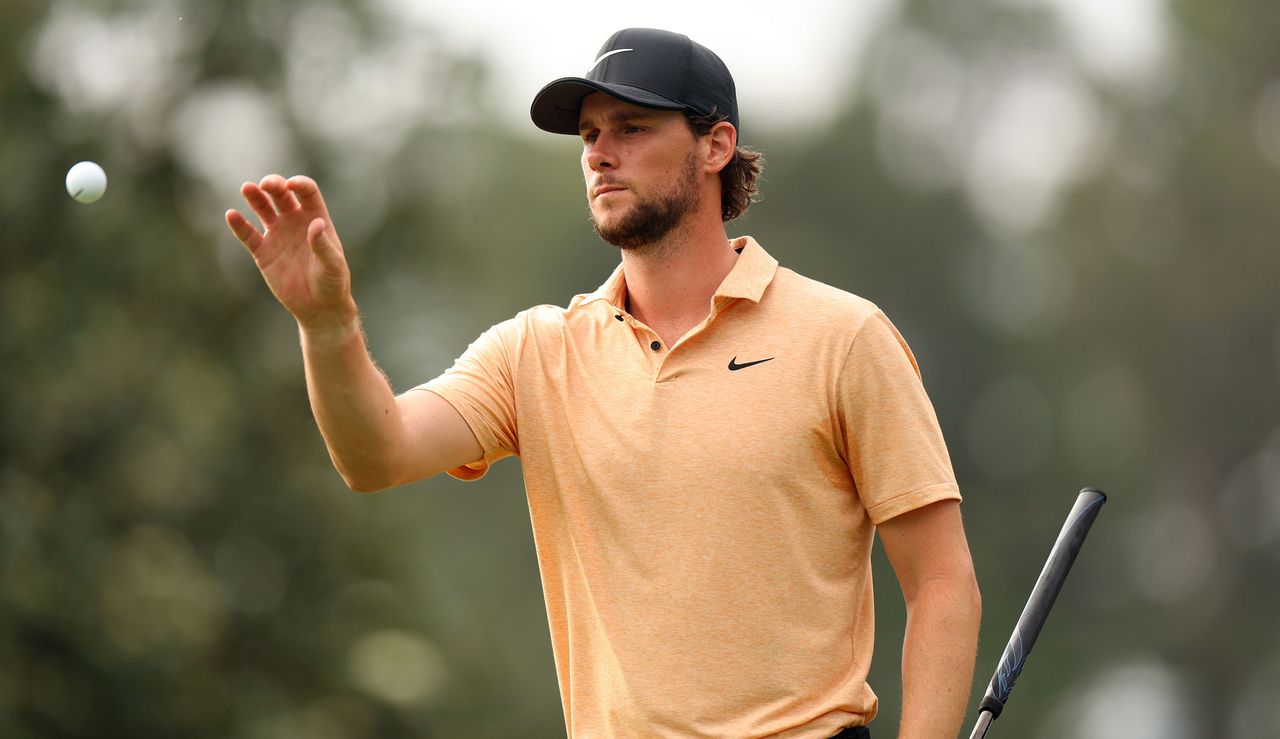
(930,555)
(376,439)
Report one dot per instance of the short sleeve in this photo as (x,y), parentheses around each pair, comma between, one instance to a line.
(893,443)
(481,387)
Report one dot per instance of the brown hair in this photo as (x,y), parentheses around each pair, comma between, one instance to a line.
(739,180)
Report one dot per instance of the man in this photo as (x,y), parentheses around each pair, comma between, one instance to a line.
(709,441)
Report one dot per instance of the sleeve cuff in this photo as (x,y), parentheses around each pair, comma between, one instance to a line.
(913,500)
(492,452)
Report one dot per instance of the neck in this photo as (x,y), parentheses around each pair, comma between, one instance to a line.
(670,283)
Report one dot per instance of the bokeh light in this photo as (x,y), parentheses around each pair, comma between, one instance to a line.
(1068,207)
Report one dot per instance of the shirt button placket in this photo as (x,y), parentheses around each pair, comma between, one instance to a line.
(659,359)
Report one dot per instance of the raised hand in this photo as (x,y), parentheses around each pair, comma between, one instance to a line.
(298,251)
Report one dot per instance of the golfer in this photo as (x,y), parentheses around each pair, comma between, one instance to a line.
(709,441)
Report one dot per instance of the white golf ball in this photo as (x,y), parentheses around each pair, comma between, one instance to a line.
(86,182)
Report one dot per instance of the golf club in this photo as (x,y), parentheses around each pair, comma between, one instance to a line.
(1063,554)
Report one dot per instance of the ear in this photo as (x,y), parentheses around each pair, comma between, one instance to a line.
(722,142)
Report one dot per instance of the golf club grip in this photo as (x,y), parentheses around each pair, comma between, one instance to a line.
(1061,557)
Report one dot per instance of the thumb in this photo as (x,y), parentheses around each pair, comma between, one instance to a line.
(323,246)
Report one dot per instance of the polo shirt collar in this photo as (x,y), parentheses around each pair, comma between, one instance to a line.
(750,275)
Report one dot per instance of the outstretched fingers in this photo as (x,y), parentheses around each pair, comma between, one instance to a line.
(307,192)
(244,231)
(260,203)
(290,202)
(277,189)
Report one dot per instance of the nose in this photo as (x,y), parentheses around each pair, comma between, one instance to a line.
(599,155)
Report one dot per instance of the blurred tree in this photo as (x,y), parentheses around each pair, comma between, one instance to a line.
(1069,221)
(177,559)
(1107,318)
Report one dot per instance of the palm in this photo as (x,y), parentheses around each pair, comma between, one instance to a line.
(292,271)
(299,254)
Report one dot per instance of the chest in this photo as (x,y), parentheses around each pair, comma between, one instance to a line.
(627,397)
(735,427)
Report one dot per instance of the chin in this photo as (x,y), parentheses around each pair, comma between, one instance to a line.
(608,216)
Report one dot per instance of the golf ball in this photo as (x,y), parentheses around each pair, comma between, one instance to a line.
(86,182)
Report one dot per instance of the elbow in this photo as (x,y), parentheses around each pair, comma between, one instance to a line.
(957,592)
(965,590)
(975,599)
(366,481)
(360,485)
(378,477)
(367,473)
(972,599)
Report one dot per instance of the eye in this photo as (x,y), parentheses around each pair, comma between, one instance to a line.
(589,138)
(634,129)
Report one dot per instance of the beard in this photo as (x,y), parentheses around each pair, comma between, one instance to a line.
(651,219)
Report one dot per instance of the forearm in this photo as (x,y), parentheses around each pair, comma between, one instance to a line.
(353,404)
(938,656)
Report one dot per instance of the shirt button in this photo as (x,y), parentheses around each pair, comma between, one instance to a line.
(656,345)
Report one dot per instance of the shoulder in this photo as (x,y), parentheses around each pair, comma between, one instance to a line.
(794,292)
(541,316)
(531,322)
(547,321)
(513,332)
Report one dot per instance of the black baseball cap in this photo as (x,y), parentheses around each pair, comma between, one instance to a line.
(645,67)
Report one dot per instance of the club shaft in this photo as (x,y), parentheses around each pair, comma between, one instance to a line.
(1043,595)
(980,729)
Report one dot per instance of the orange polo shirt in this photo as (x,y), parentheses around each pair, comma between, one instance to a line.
(703,513)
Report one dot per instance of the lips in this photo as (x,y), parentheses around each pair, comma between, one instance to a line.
(606,189)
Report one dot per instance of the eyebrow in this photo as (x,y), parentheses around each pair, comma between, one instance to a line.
(617,116)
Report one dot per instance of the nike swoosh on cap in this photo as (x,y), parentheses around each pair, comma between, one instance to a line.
(604,56)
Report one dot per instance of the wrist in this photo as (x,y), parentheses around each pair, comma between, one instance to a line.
(331,330)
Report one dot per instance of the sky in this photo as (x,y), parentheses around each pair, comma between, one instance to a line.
(1012,136)
(790,60)
(794,62)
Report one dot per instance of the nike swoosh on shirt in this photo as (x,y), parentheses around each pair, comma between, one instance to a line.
(605,56)
(734,366)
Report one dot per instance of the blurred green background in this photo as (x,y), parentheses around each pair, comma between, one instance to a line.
(1069,209)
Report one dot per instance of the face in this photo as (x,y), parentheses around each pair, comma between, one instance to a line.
(641,170)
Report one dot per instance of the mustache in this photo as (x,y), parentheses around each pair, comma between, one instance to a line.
(602,183)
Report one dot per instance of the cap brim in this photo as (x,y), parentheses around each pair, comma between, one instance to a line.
(556,106)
